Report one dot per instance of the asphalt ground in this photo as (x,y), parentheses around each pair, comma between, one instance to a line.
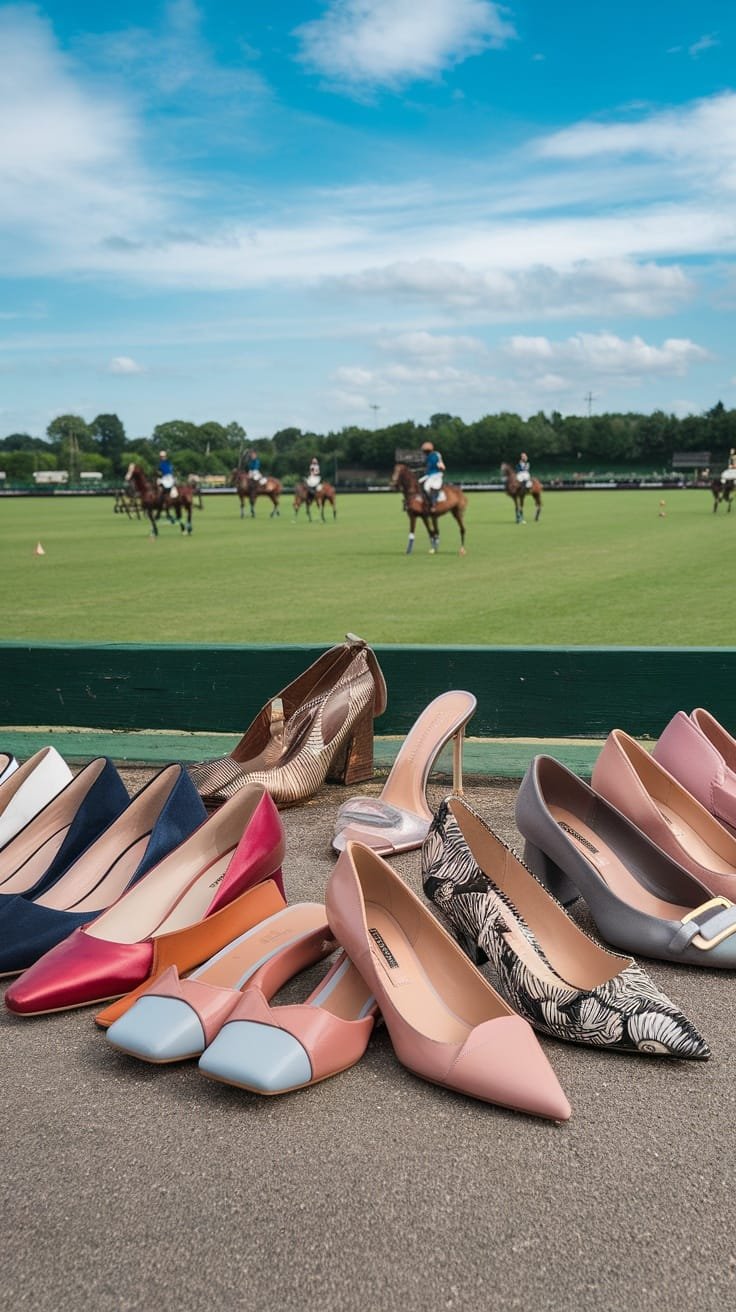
(126,1186)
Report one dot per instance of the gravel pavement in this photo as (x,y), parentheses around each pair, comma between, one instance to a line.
(127,1186)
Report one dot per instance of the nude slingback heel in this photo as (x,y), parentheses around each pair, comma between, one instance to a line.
(399,819)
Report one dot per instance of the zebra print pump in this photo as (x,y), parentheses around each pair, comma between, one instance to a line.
(538,958)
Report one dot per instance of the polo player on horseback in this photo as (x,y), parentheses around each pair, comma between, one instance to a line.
(523,472)
(433,476)
(253,467)
(166,480)
(313,480)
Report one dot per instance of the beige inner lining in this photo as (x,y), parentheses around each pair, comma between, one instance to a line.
(613,871)
(438,722)
(575,959)
(33,866)
(412,991)
(73,892)
(348,998)
(697,848)
(230,967)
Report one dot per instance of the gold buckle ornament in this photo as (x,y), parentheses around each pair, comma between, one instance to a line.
(707,943)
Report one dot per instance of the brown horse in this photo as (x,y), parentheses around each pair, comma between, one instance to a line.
(722,492)
(417,507)
(155,500)
(318,496)
(518,491)
(127,503)
(248,489)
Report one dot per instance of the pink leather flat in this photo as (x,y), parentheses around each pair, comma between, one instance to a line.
(219,882)
(446,1023)
(174,1019)
(646,793)
(268,1049)
(701,755)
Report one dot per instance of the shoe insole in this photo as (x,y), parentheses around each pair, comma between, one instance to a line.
(26,865)
(410,988)
(438,722)
(234,965)
(612,869)
(343,993)
(694,844)
(86,888)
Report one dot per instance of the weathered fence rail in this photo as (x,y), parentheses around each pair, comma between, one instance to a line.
(522,692)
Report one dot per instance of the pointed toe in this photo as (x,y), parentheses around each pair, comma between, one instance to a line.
(159,1029)
(258,1057)
(502,1062)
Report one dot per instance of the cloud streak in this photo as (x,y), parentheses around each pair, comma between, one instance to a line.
(388,43)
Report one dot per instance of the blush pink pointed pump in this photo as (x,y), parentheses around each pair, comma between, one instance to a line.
(445,1021)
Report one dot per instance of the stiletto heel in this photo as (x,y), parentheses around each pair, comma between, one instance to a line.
(457,762)
(399,819)
(548,873)
(354,762)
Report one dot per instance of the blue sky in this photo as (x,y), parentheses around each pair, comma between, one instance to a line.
(358,211)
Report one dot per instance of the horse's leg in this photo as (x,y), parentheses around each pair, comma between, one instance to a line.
(412,526)
(241,498)
(154,525)
(458,517)
(538,504)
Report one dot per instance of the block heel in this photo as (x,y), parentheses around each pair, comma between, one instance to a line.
(548,873)
(353,763)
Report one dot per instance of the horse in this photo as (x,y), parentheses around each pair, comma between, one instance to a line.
(518,491)
(248,489)
(155,500)
(416,505)
(306,496)
(127,503)
(722,492)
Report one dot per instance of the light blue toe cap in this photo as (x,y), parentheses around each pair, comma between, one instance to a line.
(159,1029)
(257,1057)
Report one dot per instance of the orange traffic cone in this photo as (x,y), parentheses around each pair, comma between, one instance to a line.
(38,550)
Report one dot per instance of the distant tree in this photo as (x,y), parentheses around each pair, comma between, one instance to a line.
(109,431)
(67,427)
(176,433)
(285,438)
(20,466)
(20,442)
(236,435)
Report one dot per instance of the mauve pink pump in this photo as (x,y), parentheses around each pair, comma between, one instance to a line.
(446,1023)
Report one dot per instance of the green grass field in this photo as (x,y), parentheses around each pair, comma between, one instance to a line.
(599,568)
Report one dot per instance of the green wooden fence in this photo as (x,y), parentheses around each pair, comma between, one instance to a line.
(537,692)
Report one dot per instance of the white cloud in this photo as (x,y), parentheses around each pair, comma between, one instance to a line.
(430,346)
(68,155)
(124,364)
(706,42)
(391,42)
(603,286)
(604,354)
(354,376)
(698,138)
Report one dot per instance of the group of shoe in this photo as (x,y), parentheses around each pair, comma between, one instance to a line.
(178,920)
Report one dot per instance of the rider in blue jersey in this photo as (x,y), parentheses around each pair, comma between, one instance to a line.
(254,467)
(434,469)
(166,479)
(522,469)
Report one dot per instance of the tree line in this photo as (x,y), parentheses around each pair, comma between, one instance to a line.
(554,442)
